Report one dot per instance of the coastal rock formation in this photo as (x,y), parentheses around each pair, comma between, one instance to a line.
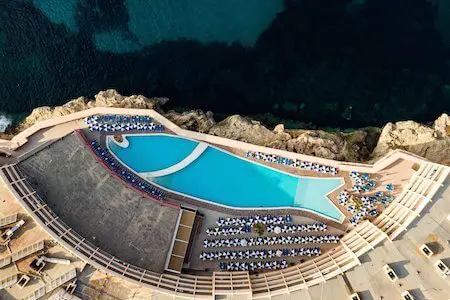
(433,142)
(361,145)
(243,129)
(319,143)
(195,120)
(108,98)
(351,147)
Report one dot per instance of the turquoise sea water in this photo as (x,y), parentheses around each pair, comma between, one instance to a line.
(150,22)
(319,63)
(220,177)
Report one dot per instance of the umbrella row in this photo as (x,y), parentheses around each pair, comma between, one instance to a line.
(296,228)
(252,266)
(273,240)
(292,162)
(252,220)
(117,119)
(115,166)
(259,253)
(224,231)
(285,228)
(126,127)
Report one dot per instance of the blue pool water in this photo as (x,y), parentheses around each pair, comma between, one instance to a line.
(220,177)
(152,153)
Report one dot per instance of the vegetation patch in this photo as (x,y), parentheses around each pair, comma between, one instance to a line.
(259,228)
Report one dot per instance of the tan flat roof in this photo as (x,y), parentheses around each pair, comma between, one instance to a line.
(181,242)
(29,234)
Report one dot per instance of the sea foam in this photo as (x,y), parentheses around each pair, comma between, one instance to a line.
(5,121)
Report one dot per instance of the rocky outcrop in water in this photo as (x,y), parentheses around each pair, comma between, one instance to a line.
(364,144)
(431,142)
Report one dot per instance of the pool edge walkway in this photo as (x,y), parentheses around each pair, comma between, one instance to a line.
(199,149)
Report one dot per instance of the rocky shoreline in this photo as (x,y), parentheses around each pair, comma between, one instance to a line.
(362,145)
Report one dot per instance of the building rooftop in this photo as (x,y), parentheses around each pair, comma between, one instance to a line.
(27,242)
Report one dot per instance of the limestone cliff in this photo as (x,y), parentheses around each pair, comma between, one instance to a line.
(195,120)
(365,144)
(431,142)
(354,146)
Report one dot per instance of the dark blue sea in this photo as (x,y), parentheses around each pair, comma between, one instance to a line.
(325,63)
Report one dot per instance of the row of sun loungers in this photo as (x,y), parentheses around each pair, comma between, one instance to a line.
(274,240)
(126,127)
(252,220)
(113,123)
(225,231)
(294,228)
(124,173)
(292,162)
(259,254)
(252,266)
(117,119)
(286,228)
(367,208)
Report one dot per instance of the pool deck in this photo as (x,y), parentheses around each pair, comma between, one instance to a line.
(393,237)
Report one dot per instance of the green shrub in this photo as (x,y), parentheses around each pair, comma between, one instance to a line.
(259,228)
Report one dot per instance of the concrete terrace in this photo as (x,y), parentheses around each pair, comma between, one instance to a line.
(85,196)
